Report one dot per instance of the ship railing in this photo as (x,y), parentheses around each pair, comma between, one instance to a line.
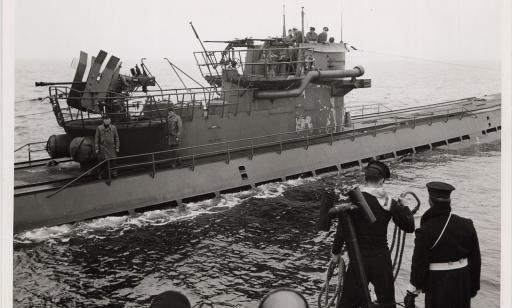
(265,62)
(32,147)
(365,109)
(151,105)
(303,136)
(279,142)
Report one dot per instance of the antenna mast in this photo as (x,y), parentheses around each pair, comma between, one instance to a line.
(284,23)
(341,22)
(302,15)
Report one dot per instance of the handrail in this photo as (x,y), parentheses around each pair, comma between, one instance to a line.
(326,131)
(176,91)
(28,145)
(326,128)
(256,49)
(29,150)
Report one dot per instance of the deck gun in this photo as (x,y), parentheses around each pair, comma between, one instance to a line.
(100,88)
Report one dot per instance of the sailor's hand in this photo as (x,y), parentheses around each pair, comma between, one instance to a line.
(336,257)
(117,150)
(97,152)
(409,300)
(401,200)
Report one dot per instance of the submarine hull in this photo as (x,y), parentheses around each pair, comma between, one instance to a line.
(378,136)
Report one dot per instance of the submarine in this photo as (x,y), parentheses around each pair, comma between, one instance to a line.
(273,110)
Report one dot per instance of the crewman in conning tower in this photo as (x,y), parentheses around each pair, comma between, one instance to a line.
(311,36)
(372,239)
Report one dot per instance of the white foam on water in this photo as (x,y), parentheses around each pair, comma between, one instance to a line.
(274,190)
(117,224)
(42,234)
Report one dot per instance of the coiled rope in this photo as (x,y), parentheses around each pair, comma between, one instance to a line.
(323,297)
(399,234)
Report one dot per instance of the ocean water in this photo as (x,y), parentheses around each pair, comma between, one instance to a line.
(230,251)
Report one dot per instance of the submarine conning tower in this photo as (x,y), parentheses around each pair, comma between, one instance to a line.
(306,80)
(263,90)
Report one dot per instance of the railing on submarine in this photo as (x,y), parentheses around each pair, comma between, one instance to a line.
(305,140)
(268,62)
(29,146)
(184,99)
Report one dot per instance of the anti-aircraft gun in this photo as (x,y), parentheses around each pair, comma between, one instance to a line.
(102,91)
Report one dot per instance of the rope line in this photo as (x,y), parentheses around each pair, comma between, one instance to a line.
(35,113)
(32,100)
(326,302)
(429,60)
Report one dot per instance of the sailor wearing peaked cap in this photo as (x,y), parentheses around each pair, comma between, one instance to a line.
(377,168)
(446,259)
(439,192)
(372,239)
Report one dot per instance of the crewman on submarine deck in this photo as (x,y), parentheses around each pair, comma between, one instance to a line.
(372,238)
(446,260)
(106,142)
(174,130)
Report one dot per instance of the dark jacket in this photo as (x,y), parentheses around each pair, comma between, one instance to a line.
(311,36)
(372,238)
(373,245)
(458,241)
(174,129)
(298,37)
(322,37)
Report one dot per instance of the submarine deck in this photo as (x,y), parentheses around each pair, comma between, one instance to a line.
(39,175)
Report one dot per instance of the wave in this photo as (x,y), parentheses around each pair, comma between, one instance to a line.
(101,227)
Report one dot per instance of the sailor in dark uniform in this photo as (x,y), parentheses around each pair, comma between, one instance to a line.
(372,239)
(446,259)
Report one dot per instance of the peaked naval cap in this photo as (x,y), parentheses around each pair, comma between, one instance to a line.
(439,191)
(377,168)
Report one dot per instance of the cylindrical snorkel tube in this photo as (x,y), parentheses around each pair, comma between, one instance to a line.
(357,198)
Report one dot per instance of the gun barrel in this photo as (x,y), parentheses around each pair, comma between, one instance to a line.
(44,84)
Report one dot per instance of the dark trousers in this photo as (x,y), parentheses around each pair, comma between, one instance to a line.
(103,169)
(379,272)
(449,289)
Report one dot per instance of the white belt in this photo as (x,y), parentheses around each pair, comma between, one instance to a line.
(446,266)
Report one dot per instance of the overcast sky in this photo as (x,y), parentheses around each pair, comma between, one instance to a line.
(431,29)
